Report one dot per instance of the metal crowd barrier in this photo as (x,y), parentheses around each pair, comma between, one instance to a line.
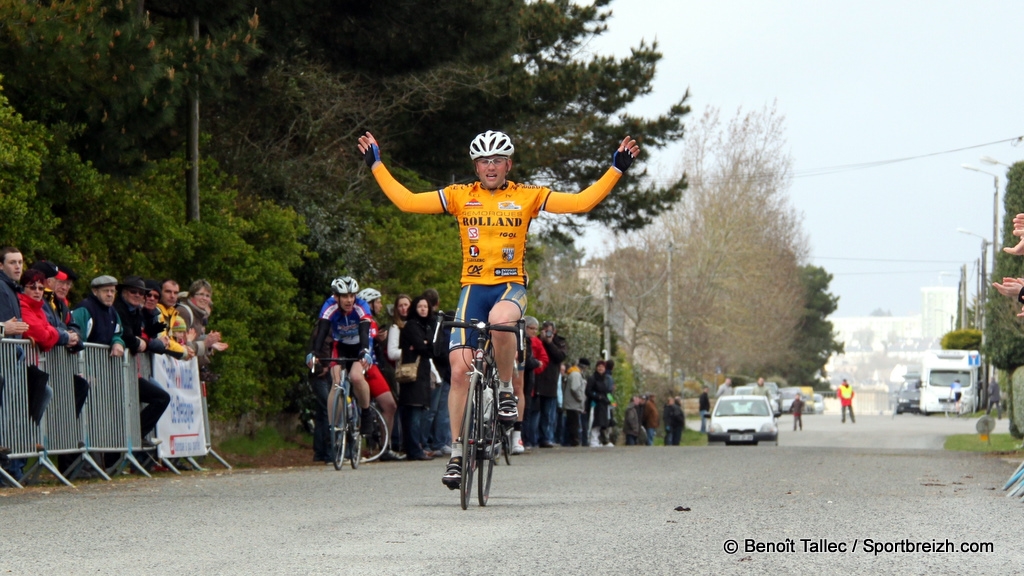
(113,406)
(102,418)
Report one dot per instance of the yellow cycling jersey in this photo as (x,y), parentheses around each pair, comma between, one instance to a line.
(493,225)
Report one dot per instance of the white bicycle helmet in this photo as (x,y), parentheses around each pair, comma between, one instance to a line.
(491,143)
(345,285)
(368,294)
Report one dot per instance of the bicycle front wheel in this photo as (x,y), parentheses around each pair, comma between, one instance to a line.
(470,436)
(355,439)
(487,418)
(338,436)
(376,442)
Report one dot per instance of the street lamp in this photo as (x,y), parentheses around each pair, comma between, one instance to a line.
(995,206)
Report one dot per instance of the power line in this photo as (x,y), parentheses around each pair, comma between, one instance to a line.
(888,260)
(864,165)
(826,170)
(887,273)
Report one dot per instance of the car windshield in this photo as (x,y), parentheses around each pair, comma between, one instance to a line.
(741,407)
(788,393)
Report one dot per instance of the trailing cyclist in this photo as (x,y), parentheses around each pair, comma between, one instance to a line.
(493,216)
(343,328)
(380,391)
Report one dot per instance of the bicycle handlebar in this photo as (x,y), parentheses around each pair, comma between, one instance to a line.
(322,359)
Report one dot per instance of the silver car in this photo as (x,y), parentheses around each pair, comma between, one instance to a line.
(743,420)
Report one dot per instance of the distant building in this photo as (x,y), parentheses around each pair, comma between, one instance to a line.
(938,310)
(877,348)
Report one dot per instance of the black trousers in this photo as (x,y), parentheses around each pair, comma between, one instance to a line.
(156,399)
(573,423)
(850,409)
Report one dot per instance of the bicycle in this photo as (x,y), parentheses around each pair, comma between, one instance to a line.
(479,433)
(344,421)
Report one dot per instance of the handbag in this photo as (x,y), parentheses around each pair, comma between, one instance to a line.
(407,371)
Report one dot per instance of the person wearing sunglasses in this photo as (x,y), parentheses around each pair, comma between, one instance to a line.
(493,216)
(40,328)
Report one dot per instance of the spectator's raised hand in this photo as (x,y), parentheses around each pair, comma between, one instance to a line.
(220,346)
(1009,287)
(1017,250)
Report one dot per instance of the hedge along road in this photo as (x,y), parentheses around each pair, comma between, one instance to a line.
(558,511)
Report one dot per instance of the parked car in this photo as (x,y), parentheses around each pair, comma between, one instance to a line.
(908,397)
(773,394)
(786,397)
(819,404)
(743,420)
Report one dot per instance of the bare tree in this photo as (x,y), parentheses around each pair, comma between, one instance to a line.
(737,242)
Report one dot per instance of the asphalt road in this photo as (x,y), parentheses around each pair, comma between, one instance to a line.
(558,511)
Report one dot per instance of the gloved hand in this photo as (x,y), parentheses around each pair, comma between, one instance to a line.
(625,153)
(622,160)
(372,155)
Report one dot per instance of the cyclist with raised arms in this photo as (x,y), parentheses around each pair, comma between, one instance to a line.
(348,323)
(494,216)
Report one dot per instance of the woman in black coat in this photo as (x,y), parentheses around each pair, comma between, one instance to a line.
(598,388)
(415,342)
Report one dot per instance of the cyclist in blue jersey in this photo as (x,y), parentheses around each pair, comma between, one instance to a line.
(344,320)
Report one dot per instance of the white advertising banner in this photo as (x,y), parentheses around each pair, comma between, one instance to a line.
(181,426)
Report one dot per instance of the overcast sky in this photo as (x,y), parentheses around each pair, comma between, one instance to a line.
(858,82)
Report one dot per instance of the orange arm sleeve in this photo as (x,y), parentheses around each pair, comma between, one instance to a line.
(565,203)
(419,203)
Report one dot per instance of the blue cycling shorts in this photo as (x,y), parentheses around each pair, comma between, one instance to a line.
(475,303)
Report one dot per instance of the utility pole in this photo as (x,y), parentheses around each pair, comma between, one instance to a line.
(671,356)
(963,297)
(192,147)
(607,319)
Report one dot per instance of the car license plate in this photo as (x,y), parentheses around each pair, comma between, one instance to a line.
(741,437)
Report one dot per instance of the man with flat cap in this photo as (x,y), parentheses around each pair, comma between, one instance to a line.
(97,318)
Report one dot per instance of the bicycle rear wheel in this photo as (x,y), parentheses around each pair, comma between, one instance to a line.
(470,434)
(506,443)
(376,442)
(489,442)
(338,436)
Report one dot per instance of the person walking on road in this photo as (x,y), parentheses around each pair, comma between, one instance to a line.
(797,408)
(993,399)
(845,394)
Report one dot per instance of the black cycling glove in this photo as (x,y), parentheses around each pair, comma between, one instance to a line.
(372,155)
(622,160)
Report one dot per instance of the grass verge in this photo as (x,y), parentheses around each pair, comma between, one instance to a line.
(265,441)
(973,443)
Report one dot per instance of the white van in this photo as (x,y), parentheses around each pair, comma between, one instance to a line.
(939,368)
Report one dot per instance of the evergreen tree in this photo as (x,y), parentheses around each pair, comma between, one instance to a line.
(815,339)
(111,77)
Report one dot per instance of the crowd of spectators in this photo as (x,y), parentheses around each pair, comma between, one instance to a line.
(566,402)
(135,314)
